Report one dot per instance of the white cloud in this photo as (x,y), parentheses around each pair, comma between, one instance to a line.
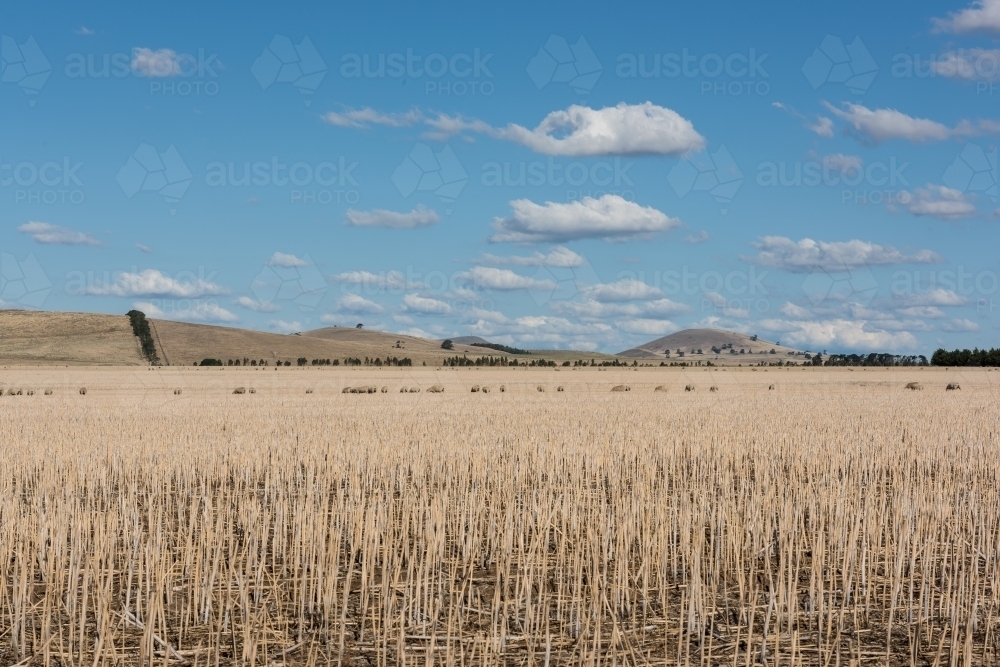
(958,326)
(394,280)
(488,277)
(151,282)
(284,326)
(611,218)
(779,252)
(255,305)
(934,297)
(84,31)
(822,127)
(846,164)
(143,248)
(626,289)
(839,333)
(589,309)
(402,319)
(880,125)
(929,312)
(701,237)
(647,327)
(285,260)
(369,116)
(982,16)
(968,64)
(352,303)
(493,316)
(557,257)
(197,311)
(943,203)
(421,216)
(44,232)
(161,63)
(722,304)
(425,305)
(625,129)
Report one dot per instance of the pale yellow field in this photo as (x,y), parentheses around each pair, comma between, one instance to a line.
(836,519)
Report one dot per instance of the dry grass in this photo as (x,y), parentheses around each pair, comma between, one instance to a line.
(31,337)
(857,524)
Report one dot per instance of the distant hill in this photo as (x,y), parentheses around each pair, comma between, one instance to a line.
(33,337)
(690,341)
(469,340)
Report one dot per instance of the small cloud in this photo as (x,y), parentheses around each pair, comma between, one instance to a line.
(352,303)
(806,255)
(695,239)
(559,256)
(197,311)
(285,260)
(421,216)
(151,282)
(960,325)
(425,305)
(255,305)
(158,64)
(938,201)
(627,289)
(879,125)
(983,17)
(822,127)
(143,248)
(84,30)
(492,278)
(44,232)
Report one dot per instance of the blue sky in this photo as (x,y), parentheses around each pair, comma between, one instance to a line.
(577,177)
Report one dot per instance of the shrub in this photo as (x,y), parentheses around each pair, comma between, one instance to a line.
(211,362)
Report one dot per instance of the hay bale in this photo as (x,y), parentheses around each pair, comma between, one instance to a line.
(621,387)
(689,387)
(414,390)
(309,391)
(486,389)
(560,388)
(402,390)
(83,391)
(502,389)
(435,389)
(914,386)
(177,392)
(345,390)
(30,392)
(48,392)
(662,387)
(770,387)
(252,390)
(384,390)
(713,388)
(240,390)
(475,389)
(365,389)
(952,386)
(540,388)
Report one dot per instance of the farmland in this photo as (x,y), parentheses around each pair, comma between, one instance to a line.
(838,518)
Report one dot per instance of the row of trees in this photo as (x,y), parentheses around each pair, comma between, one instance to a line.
(976,357)
(496,361)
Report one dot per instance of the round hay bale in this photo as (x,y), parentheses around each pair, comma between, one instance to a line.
(385,390)
(689,387)
(435,389)
(475,389)
(402,390)
(541,388)
(345,390)
(30,392)
(502,389)
(48,392)
(177,392)
(713,388)
(252,390)
(240,390)
(560,388)
(83,391)
(770,387)
(662,387)
(621,387)
(914,386)
(952,386)
(486,389)
(309,391)
(414,390)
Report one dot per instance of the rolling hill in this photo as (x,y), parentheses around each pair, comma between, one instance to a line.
(684,346)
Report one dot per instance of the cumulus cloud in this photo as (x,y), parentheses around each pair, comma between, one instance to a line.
(197,311)
(425,305)
(933,297)
(488,277)
(557,257)
(284,326)
(285,260)
(938,201)
(959,326)
(625,129)
(982,16)
(822,127)
(626,289)
(151,282)
(352,303)
(779,252)
(589,309)
(421,216)
(878,125)
(838,333)
(695,239)
(44,232)
(394,280)
(255,305)
(579,131)
(610,218)
(162,63)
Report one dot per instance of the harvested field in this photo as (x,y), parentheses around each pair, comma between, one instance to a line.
(854,523)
